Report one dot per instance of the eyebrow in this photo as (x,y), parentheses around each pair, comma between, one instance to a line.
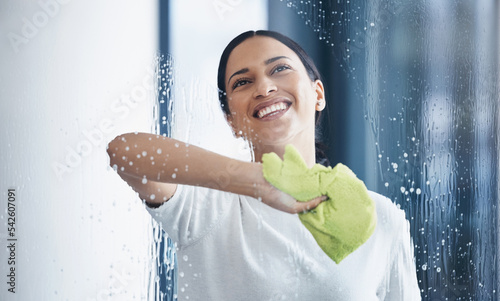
(244,70)
(267,62)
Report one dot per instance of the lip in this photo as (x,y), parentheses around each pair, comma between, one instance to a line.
(269,103)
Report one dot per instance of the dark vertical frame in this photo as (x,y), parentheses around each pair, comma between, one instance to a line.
(164,99)
(166,287)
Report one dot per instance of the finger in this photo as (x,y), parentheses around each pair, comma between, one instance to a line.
(306,206)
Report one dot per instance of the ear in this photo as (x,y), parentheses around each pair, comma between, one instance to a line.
(320,95)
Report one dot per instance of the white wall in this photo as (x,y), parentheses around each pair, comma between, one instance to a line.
(66,69)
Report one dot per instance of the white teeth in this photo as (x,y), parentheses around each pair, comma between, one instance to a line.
(271,109)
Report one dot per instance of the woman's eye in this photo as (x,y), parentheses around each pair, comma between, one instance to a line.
(280,68)
(240,83)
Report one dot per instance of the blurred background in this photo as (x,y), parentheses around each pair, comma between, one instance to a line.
(412,108)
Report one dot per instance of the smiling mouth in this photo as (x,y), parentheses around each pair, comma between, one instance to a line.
(272,110)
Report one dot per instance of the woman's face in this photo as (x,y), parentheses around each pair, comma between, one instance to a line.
(271,98)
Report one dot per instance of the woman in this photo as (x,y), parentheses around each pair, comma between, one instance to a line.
(237,236)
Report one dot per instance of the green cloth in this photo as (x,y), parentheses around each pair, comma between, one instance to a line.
(340,224)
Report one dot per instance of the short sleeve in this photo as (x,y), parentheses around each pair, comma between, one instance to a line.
(192,213)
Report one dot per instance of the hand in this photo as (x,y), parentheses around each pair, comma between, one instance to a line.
(277,199)
(292,175)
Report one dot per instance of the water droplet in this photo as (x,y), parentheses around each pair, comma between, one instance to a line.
(127,148)
(144,180)
(438,270)
(386,184)
(402,189)
(130,163)
(138,156)
(372,24)
(424,267)
(144,153)
(181,274)
(158,151)
(174,176)
(418,191)
(185,258)
(152,197)
(176,145)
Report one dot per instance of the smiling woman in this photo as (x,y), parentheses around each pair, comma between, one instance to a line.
(274,92)
(242,236)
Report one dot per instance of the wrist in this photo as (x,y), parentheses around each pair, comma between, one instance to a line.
(258,187)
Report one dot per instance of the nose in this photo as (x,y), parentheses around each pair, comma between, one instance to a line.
(264,87)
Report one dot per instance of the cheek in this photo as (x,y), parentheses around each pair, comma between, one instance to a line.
(238,103)
(234,107)
(302,88)
(306,95)
(238,113)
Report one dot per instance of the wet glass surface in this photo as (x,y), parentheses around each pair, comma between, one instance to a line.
(428,74)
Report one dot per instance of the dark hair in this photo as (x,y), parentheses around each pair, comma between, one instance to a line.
(308,63)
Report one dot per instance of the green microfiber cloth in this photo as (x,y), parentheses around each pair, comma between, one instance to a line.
(340,224)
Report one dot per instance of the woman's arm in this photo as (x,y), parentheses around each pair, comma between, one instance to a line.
(152,192)
(151,163)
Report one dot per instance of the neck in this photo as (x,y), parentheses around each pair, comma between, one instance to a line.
(305,145)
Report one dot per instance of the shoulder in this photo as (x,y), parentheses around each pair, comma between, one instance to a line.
(386,209)
(391,220)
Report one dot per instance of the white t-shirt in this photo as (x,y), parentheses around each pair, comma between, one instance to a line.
(233,247)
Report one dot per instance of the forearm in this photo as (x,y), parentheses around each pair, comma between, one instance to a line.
(161,159)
